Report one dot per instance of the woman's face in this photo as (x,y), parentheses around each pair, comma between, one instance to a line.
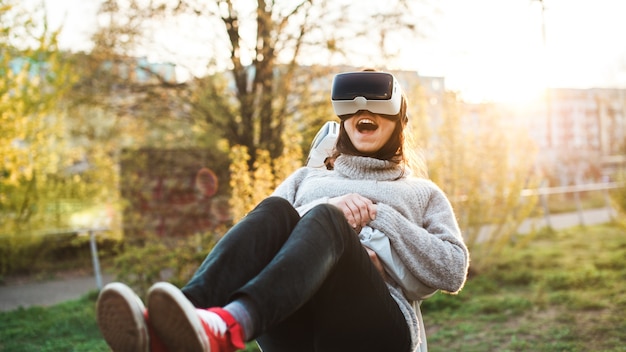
(368,132)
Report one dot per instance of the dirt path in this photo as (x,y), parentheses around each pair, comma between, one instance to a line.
(26,293)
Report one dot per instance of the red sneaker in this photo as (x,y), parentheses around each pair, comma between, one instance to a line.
(123,322)
(156,344)
(182,327)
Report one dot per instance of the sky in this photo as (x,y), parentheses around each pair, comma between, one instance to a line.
(494,49)
(487,50)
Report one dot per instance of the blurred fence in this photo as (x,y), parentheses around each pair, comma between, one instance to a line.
(576,190)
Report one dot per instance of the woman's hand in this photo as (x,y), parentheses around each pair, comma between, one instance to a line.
(358,210)
(376,261)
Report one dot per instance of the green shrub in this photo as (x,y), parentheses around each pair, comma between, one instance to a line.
(18,252)
(35,254)
(162,259)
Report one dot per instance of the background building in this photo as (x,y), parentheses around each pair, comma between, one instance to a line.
(580,133)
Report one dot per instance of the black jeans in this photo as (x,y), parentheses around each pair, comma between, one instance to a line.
(311,282)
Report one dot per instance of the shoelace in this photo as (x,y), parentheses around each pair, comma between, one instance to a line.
(214,321)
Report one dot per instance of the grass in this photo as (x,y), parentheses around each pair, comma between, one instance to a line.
(563,292)
(70,326)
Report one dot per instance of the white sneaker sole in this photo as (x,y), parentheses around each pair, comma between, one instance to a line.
(119,313)
(175,320)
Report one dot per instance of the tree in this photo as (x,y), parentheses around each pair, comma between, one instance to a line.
(36,176)
(264,46)
(483,165)
(33,77)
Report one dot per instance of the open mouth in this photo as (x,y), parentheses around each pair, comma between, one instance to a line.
(365,125)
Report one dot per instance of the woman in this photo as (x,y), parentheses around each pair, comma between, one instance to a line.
(294,273)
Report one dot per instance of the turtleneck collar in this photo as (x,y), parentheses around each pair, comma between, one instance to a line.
(366,168)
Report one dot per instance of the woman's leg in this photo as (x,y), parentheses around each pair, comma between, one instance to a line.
(295,333)
(322,293)
(242,253)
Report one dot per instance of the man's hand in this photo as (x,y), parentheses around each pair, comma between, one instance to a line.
(358,210)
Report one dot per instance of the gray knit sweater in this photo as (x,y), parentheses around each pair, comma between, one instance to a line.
(412,212)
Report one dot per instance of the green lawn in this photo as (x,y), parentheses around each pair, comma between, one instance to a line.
(69,326)
(566,291)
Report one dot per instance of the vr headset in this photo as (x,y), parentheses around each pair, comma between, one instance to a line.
(376,92)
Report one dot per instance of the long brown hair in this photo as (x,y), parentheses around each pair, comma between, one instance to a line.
(394,150)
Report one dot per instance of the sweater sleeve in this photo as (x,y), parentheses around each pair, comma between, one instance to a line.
(434,252)
(288,189)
